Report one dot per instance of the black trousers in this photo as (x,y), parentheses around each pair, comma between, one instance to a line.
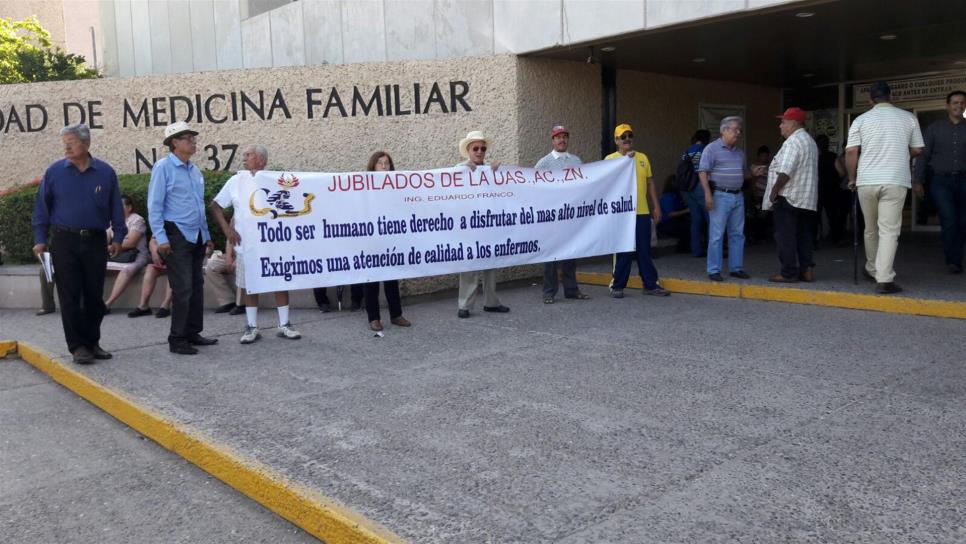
(187,281)
(794,233)
(80,263)
(392,298)
(355,293)
(550,284)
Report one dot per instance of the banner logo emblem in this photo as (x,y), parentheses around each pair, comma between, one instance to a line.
(278,203)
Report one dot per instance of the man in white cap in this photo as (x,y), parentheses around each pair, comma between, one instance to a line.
(176,212)
(473,149)
(254,158)
(557,159)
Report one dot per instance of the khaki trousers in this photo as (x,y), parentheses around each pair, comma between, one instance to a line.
(222,281)
(470,286)
(882,208)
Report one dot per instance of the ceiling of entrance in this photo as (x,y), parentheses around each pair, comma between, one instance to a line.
(843,40)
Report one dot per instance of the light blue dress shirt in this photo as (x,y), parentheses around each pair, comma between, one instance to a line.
(177,194)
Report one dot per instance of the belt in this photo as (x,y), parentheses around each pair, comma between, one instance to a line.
(723,190)
(951,174)
(80,232)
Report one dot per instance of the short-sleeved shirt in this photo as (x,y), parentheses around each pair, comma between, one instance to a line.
(885,133)
(228,196)
(642,167)
(726,166)
(797,159)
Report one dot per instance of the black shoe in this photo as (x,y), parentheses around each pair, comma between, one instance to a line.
(182,347)
(83,356)
(237,310)
(198,340)
(99,353)
(162,313)
(356,306)
(463,314)
(138,312)
(45,311)
(740,274)
(325,308)
(715,277)
(225,308)
(501,309)
(887,288)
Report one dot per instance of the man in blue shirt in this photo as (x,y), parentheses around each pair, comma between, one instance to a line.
(176,212)
(79,197)
(695,196)
(723,171)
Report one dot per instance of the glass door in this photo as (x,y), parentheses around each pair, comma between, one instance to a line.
(924,215)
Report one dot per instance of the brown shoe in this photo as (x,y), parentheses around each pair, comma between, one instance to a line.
(375,325)
(807,276)
(778,278)
(400,322)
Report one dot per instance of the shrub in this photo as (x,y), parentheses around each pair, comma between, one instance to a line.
(17,206)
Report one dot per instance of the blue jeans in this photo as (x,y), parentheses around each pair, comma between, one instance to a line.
(728,213)
(699,219)
(645,266)
(949,195)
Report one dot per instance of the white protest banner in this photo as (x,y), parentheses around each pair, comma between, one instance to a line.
(302,229)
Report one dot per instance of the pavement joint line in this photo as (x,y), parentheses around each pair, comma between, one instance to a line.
(320,516)
(833,299)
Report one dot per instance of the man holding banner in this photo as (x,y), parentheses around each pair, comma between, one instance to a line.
(254,158)
(559,158)
(624,138)
(473,149)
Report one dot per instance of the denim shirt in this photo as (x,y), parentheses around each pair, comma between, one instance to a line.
(177,194)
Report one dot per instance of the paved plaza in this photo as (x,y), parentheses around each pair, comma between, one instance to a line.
(682,419)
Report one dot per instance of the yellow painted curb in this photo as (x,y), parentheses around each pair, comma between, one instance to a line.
(834,299)
(7,347)
(318,515)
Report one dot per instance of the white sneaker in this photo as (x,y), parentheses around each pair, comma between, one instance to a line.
(251,334)
(287,331)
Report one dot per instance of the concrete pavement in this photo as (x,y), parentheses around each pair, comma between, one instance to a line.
(685,419)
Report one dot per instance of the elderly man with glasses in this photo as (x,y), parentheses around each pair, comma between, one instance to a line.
(723,170)
(624,138)
(176,211)
(79,198)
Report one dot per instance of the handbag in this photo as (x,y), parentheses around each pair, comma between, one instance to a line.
(125,256)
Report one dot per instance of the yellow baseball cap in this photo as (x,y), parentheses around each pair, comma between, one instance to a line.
(621,129)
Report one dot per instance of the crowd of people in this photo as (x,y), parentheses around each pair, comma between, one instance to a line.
(79,207)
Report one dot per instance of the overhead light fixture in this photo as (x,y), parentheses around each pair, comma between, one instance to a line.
(608,49)
(698,59)
(804,14)
(888,37)
(960,62)
(808,75)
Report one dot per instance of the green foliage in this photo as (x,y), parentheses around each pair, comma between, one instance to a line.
(27,55)
(16,210)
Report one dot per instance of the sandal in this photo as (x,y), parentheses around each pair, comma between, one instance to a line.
(548,300)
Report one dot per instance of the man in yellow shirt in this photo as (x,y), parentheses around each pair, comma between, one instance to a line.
(624,138)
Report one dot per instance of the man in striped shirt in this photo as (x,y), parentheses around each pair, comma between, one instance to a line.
(723,171)
(881,143)
(792,192)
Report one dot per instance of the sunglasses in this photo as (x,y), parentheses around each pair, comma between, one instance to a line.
(627,136)
(476,149)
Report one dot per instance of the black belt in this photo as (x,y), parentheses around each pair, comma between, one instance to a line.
(945,174)
(723,190)
(80,232)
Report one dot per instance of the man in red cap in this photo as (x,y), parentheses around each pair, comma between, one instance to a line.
(557,159)
(792,193)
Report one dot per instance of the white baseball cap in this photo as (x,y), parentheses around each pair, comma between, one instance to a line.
(176,129)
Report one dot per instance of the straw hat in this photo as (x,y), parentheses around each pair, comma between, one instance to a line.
(474,136)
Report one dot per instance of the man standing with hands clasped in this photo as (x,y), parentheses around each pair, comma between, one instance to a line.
(79,197)
(792,192)
(176,211)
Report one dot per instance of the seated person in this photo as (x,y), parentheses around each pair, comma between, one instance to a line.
(151,274)
(676,222)
(136,244)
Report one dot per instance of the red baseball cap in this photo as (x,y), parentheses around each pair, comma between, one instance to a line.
(793,114)
(559,129)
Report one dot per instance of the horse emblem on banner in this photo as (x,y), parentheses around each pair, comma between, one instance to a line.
(279,203)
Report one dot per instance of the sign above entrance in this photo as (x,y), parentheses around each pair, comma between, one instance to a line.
(913,90)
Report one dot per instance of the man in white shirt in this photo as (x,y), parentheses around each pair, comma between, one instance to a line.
(792,192)
(882,141)
(254,158)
